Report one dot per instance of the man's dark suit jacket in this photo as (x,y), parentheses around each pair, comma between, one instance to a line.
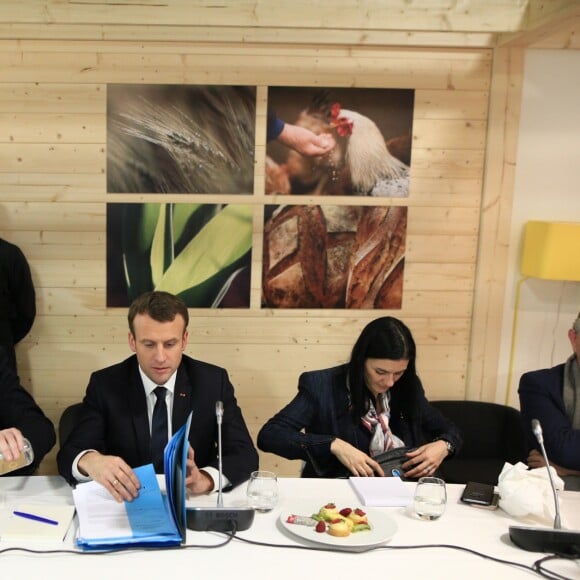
(114,419)
(18,409)
(541,398)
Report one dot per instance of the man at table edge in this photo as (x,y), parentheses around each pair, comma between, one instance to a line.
(553,397)
(113,433)
(20,416)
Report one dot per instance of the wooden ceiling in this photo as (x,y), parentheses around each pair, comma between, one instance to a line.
(438,23)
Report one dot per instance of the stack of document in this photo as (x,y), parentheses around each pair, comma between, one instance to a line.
(382,491)
(151,519)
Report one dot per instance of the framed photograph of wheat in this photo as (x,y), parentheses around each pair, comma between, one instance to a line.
(339,141)
(200,252)
(330,256)
(180,139)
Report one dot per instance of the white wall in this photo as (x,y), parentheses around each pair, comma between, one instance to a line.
(547,188)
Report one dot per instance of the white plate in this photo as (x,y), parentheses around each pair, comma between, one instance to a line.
(383,528)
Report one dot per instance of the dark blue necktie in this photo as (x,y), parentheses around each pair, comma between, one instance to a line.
(159,429)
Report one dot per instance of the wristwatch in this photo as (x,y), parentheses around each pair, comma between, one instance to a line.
(450,446)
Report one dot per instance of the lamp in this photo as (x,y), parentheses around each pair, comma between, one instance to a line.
(550,251)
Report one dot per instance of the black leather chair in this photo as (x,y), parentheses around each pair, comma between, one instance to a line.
(67,421)
(492,434)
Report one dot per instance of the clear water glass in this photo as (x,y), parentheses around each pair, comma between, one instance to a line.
(430,498)
(262,491)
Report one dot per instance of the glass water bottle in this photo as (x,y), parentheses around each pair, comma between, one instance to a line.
(25,458)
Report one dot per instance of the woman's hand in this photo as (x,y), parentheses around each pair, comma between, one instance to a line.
(357,462)
(426,459)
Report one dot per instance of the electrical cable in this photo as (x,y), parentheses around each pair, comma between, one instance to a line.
(537,567)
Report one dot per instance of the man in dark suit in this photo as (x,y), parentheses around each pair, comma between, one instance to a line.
(17,299)
(114,431)
(21,417)
(553,397)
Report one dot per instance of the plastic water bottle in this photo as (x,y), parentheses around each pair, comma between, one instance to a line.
(25,458)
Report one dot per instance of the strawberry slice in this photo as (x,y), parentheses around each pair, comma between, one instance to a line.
(330,506)
(359,512)
(345,512)
(320,527)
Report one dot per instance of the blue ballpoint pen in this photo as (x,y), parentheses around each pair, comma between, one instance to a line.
(35,518)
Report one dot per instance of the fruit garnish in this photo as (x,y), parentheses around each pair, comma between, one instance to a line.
(359,512)
(320,527)
(345,512)
(330,506)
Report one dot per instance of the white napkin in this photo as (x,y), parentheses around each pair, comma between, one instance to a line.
(526,492)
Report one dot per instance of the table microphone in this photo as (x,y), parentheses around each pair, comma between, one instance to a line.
(219,518)
(553,541)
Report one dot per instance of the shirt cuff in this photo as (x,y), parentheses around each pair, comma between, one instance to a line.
(81,478)
(215,475)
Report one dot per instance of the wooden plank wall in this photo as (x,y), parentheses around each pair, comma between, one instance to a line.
(53,199)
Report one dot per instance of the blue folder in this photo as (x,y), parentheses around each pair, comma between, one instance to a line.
(156,520)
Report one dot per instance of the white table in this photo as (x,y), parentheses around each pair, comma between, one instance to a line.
(461,525)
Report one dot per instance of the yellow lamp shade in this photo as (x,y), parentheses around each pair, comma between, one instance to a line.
(551,250)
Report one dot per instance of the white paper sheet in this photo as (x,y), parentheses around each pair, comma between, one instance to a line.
(381,491)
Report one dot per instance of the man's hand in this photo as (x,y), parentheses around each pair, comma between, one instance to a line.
(357,462)
(11,443)
(112,473)
(197,481)
(536,459)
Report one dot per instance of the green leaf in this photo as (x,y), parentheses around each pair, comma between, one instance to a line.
(220,243)
(182,212)
(159,258)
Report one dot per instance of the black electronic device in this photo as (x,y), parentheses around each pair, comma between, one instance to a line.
(553,541)
(392,461)
(480,495)
(219,518)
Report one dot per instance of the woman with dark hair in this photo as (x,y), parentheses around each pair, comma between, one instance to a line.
(344,416)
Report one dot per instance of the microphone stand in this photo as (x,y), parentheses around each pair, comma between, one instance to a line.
(219,518)
(553,541)
(219,411)
(537,429)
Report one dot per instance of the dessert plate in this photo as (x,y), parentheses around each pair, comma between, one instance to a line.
(383,528)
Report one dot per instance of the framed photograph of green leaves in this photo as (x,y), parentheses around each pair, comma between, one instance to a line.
(200,252)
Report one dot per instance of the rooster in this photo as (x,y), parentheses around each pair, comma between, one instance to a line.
(360,163)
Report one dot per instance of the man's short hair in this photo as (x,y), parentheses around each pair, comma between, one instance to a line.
(161,306)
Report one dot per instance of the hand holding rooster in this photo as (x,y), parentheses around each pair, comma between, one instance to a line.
(305,141)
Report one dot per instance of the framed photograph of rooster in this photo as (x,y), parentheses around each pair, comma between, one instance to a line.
(338,141)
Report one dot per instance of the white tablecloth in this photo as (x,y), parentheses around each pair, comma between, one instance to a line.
(471,528)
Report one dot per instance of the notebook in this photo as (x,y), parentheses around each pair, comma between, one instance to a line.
(36,522)
(382,491)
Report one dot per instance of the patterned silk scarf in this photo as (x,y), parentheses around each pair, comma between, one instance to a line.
(383,438)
